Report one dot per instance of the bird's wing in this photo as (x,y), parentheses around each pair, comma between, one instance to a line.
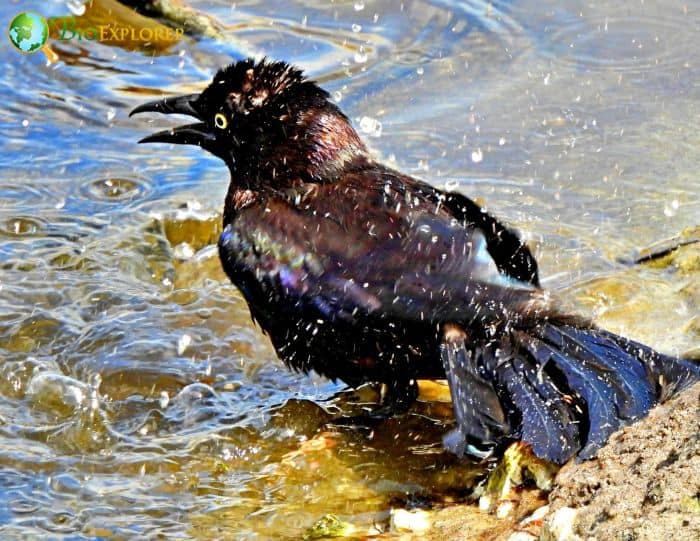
(349,257)
(510,254)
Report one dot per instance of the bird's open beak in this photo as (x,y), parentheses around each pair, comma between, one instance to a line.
(189,134)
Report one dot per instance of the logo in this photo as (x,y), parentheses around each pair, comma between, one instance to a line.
(69,29)
(28,32)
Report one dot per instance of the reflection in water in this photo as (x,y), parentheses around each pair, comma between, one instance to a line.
(136,397)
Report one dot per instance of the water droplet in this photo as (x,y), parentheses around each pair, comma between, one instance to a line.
(25,123)
(164,400)
(111,114)
(356,28)
(304,21)
(183,343)
(420,70)
(361,56)
(502,141)
(451,185)
(183,251)
(477,155)
(359,5)
(337,96)
(671,208)
(371,126)
(76,7)
(193,204)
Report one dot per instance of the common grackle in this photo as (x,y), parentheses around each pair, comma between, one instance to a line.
(365,274)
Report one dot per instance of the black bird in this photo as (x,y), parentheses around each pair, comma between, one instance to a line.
(365,274)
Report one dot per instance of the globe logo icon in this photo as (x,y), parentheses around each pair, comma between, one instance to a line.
(28,32)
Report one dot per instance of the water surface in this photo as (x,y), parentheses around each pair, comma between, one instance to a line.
(136,396)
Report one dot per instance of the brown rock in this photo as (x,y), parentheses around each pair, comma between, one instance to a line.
(643,485)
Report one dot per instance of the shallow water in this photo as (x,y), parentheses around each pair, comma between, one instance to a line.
(137,398)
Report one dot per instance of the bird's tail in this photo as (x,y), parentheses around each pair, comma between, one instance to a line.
(564,386)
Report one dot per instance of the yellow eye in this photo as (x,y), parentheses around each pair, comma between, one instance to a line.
(220,121)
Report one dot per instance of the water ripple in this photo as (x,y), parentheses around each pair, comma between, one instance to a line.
(629,42)
(115,189)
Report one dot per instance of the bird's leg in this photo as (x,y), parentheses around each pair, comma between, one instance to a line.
(397,398)
(478,412)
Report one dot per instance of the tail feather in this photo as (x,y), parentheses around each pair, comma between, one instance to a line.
(610,381)
(545,420)
(633,392)
(669,375)
(588,389)
(566,386)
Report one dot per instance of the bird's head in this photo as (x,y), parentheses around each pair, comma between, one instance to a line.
(270,124)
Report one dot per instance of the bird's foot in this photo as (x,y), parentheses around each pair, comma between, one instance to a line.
(397,399)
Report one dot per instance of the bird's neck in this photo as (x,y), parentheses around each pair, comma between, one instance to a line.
(317,149)
(329,144)
(317,146)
